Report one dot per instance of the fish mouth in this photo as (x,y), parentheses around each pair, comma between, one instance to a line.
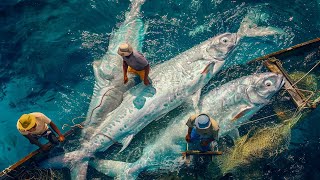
(236,39)
(235,43)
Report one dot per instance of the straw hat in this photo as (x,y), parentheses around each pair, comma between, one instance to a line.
(125,49)
(26,122)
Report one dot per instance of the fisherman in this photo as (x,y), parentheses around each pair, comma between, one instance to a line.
(35,125)
(134,62)
(203,129)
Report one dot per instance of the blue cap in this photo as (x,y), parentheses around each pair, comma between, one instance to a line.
(203,121)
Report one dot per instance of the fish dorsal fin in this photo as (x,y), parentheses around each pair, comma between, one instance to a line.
(125,142)
(96,65)
(102,79)
(241,113)
(234,134)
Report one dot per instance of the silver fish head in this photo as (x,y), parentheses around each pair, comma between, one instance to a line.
(264,86)
(216,49)
(221,45)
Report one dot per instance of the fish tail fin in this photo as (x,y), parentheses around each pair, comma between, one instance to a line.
(77,161)
(134,25)
(64,160)
(134,9)
(249,27)
(79,170)
(117,169)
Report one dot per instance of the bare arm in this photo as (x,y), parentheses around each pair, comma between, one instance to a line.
(146,70)
(55,128)
(125,68)
(189,130)
(146,73)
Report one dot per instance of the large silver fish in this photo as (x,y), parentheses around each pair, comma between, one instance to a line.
(253,93)
(173,83)
(109,87)
(227,101)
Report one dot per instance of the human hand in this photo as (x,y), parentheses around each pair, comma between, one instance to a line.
(45,148)
(188,138)
(125,79)
(146,81)
(204,143)
(61,138)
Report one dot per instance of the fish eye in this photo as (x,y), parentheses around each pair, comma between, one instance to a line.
(268,83)
(224,39)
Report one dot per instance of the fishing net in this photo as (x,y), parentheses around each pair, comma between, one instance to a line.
(308,83)
(259,144)
(43,174)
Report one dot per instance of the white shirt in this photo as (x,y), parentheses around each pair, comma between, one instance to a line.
(42,122)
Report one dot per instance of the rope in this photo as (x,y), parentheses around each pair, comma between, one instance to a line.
(100,102)
(306,73)
(79,125)
(311,92)
(303,90)
(262,118)
(114,142)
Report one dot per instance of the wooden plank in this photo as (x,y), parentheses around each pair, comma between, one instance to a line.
(196,152)
(31,155)
(289,50)
(274,65)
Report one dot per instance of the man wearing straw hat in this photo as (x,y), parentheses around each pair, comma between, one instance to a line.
(35,125)
(134,62)
(202,129)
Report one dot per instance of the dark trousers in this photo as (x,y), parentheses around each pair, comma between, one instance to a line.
(48,134)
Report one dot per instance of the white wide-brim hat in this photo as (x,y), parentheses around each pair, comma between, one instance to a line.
(203,121)
(125,49)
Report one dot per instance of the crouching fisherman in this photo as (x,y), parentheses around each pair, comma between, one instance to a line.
(203,131)
(35,125)
(134,62)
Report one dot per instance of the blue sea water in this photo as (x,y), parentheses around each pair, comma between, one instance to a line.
(47,49)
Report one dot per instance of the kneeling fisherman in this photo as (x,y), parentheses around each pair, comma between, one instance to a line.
(202,129)
(134,62)
(35,125)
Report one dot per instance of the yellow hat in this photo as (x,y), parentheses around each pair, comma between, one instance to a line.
(26,122)
(125,49)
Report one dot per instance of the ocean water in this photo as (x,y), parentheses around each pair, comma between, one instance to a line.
(48,47)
